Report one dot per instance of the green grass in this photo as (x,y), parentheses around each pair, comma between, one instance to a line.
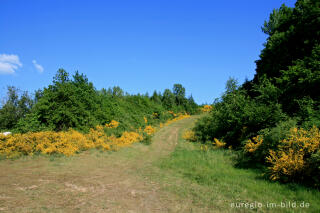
(168,175)
(208,178)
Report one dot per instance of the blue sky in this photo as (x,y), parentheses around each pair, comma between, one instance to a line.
(140,46)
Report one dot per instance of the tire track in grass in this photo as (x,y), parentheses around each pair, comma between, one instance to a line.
(92,181)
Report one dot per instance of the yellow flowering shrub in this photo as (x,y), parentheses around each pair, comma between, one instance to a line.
(253,145)
(127,138)
(47,142)
(98,137)
(177,118)
(292,157)
(71,142)
(189,135)
(112,124)
(172,113)
(145,120)
(206,108)
(308,141)
(218,143)
(289,163)
(149,130)
(66,143)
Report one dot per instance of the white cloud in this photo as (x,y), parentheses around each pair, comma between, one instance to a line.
(37,66)
(9,63)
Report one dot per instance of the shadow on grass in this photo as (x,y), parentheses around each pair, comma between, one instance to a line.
(217,171)
(243,162)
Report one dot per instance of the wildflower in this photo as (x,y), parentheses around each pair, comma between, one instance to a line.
(253,145)
(206,108)
(218,143)
(149,130)
(290,159)
(112,124)
(189,135)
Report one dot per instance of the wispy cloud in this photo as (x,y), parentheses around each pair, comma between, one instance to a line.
(37,66)
(9,63)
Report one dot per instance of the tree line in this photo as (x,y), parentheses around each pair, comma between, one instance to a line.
(74,102)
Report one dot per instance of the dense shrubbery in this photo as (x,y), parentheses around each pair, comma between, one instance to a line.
(69,142)
(256,151)
(75,103)
(236,116)
(296,156)
(66,143)
(273,120)
(16,107)
(71,110)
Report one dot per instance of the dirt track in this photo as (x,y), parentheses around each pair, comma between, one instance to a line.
(92,181)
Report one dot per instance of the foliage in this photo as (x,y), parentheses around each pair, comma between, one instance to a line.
(191,107)
(291,55)
(71,115)
(112,124)
(300,83)
(177,117)
(73,102)
(168,99)
(156,97)
(209,178)
(297,156)
(257,148)
(293,33)
(17,106)
(206,108)
(67,104)
(254,144)
(71,142)
(189,135)
(66,143)
(236,116)
(258,117)
(218,143)
(149,130)
(180,93)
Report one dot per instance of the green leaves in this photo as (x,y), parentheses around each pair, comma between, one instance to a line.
(17,106)
(293,34)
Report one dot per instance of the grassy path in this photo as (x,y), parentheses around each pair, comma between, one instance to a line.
(90,182)
(170,175)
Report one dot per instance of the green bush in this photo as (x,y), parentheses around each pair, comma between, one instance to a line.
(17,106)
(147,139)
(271,140)
(237,117)
(73,102)
(284,93)
(314,172)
